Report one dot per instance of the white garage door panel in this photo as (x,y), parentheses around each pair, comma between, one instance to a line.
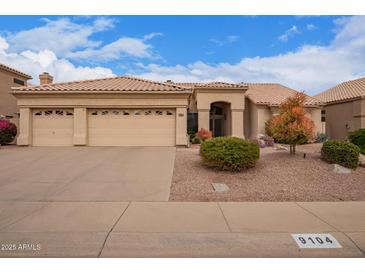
(152,127)
(53,127)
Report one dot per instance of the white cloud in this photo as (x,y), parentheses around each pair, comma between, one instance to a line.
(227,40)
(232,38)
(289,33)
(34,63)
(311,68)
(152,35)
(52,46)
(3,44)
(123,47)
(71,40)
(311,27)
(61,36)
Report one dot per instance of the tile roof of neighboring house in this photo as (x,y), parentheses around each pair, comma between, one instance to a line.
(343,92)
(122,84)
(9,69)
(273,94)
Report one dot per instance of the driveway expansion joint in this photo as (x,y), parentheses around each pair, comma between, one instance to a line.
(111,229)
(224,217)
(24,216)
(354,243)
(315,215)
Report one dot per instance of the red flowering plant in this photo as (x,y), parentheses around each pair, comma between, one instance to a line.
(204,134)
(8,131)
(291,126)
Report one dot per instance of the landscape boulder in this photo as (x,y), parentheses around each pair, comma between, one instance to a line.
(340,169)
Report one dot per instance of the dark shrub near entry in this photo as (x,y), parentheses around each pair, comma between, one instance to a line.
(358,138)
(341,152)
(229,153)
(7,131)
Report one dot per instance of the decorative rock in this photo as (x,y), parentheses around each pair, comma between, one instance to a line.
(340,169)
(262,143)
(362,160)
(219,187)
(280,147)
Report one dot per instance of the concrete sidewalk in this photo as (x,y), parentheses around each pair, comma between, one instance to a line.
(177,229)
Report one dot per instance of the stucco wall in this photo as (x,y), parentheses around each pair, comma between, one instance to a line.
(343,118)
(236,100)
(247,119)
(8,105)
(81,102)
(315,115)
(260,114)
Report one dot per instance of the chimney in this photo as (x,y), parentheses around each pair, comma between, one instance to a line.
(45,78)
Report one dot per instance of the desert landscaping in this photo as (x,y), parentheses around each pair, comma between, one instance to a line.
(277,176)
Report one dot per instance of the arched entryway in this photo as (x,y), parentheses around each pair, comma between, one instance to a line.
(220,119)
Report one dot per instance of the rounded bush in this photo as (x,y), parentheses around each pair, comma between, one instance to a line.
(341,152)
(8,131)
(358,138)
(229,153)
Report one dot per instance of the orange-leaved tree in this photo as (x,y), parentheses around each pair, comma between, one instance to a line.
(291,126)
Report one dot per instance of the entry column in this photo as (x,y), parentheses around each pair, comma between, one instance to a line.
(181,127)
(237,123)
(25,127)
(203,119)
(80,126)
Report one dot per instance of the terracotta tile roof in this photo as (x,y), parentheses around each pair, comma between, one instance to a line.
(343,92)
(209,85)
(187,85)
(260,93)
(273,94)
(9,69)
(122,84)
(219,85)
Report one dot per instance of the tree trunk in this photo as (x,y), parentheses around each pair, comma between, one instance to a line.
(292,148)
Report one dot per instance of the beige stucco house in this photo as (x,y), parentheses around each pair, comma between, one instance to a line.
(129,111)
(258,101)
(344,109)
(10,77)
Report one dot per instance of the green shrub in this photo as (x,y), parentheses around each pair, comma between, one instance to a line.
(8,131)
(229,153)
(358,138)
(196,140)
(341,152)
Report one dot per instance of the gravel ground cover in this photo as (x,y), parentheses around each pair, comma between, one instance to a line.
(278,176)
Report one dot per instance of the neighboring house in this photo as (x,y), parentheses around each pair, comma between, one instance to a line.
(10,77)
(128,111)
(344,109)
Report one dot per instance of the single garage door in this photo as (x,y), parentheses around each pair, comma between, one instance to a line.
(53,127)
(131,127)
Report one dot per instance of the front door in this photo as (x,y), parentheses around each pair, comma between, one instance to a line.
(216,121)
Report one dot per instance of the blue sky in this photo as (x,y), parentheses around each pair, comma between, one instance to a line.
(309,53)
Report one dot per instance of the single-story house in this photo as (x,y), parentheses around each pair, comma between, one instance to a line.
(344,109)
(259,101)
(10,77)
(129,111)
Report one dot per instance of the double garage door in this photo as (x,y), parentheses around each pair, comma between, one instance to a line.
(106,127)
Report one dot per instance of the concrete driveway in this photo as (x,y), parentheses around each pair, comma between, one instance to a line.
(84,174)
